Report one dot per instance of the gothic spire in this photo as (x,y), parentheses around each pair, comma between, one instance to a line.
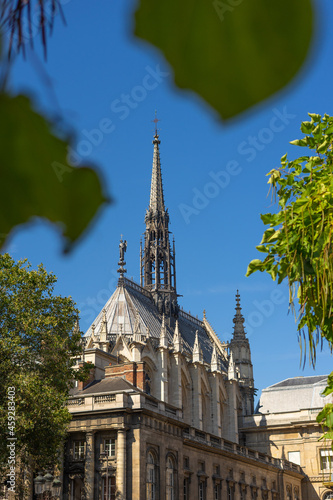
(156,202)
(238,320)
(157,256)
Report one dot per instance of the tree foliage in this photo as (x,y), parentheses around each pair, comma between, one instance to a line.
(19,19)
(298,240)
(38,341)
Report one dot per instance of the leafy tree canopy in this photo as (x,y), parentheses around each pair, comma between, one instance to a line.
(298,240)
(38,339)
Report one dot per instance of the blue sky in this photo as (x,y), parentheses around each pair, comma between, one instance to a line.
(214,174)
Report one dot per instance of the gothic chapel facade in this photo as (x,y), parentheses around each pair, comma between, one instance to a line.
(159,417)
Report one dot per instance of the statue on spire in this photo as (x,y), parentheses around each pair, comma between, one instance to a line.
(122,263)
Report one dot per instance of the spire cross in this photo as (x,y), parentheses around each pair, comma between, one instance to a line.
(156,120)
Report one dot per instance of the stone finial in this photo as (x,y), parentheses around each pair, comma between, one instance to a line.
(163,337)
(197,352)
(204,314)
(231,368)
(214,360)
(177,339)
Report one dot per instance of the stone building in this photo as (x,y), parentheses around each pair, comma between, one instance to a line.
(160,416)
(285,427)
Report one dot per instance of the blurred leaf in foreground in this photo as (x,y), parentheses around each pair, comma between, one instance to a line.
(36,179)
(233,53)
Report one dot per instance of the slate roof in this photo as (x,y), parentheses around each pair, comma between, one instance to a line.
(299,381)
(108,384)
(130,300)
(294,394)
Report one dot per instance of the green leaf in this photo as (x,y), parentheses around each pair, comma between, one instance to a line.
(324,412)
(323,146)
(299,142)
(262,248)
(329,130)
(233,54)
(268,235)
(37,180)
(255,265)
(328,390)
(306,127)
(314,117)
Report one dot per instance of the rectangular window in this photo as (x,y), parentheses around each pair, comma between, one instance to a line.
(78,450)
(326,459)
(186,463)
(110,447)
(294,456)
(111,494)
(201,491)
(217,492)
(230,492)
(186,488)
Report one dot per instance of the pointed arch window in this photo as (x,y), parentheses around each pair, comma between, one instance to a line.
(170,478)
(151,482)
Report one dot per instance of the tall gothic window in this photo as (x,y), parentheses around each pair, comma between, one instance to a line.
(170,479)
(151,485)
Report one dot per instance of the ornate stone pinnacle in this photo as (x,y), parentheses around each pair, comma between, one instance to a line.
(238,319)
